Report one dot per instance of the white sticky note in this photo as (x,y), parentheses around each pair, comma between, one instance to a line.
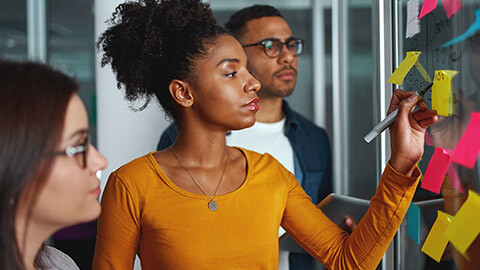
(413,23)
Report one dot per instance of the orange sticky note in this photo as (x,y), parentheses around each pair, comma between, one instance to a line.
(436,170)
(465,227)
(436,241)
(442,94)
(402,69)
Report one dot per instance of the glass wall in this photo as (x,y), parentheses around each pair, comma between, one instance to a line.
(434,30)
(71,48)
(13,29)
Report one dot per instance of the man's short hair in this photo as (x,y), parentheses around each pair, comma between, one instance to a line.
(236,23)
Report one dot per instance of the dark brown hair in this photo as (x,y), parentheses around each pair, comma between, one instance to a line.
(33,103)
(151,42)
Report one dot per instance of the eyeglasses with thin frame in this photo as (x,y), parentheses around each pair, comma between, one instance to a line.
(72,151)
(273,47)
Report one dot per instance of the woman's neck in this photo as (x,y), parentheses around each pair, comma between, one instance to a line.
(30,239)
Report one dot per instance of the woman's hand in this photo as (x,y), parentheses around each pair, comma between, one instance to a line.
(408,131)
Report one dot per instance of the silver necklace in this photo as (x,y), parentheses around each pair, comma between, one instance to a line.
(212,204)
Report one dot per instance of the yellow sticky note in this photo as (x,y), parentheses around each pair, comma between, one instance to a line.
(436,241)
(422,71)
(442,94)
(465,227)
(402,70)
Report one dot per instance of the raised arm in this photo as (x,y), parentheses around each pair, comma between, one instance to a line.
(364,248)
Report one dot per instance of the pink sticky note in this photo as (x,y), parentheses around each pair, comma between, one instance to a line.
(428,6)
(436,170)
(468,147)
(451,6)
(428,139)
(454,178)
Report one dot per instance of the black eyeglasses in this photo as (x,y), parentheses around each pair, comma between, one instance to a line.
(73,151)
(273,47)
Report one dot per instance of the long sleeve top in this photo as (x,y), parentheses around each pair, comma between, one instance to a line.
(145,213)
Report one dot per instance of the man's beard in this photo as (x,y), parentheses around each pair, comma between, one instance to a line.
(266,92)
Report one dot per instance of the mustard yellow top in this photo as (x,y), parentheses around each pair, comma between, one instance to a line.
(145,213)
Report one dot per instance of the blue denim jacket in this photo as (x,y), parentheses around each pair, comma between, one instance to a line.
(313,164)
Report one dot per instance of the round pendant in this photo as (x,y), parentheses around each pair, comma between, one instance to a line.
(213,205)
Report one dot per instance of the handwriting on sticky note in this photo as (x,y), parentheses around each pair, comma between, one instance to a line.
(413,222)
(436,241)
(436,170)
(465,227)
(427,7)
(451,7)
(442,93)
(470,31)
(468,147)
(402,69)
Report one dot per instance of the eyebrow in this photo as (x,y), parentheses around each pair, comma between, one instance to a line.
(230,60)
(78,132)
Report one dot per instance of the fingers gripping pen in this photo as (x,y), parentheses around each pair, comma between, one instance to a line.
(385,123)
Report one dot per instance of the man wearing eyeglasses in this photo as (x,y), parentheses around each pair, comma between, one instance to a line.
(293,140)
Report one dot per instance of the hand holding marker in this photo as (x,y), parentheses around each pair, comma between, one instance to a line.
(380,127)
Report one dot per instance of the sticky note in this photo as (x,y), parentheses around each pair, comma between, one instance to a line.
(451,7)
(442,93)
(436,240)
(452,174)
(413,222)
(465,227)
(470,31)
(428,6)
(413,23)
(454,179)
(402,70)
(468,147)
(428,139)
(436,170)
(422,71)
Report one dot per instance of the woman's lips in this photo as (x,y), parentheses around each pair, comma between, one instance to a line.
(252,105)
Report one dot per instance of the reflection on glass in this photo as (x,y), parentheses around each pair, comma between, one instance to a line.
(464,57)
(13,30)
(71,48)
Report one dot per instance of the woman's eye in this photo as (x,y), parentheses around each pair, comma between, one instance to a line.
(232,74)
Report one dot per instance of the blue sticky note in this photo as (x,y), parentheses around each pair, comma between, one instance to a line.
(413,219)
(470,31)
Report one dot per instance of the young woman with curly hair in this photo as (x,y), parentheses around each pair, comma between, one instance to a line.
(201,204)
(47,167)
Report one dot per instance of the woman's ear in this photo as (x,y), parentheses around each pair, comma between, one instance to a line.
(180,91)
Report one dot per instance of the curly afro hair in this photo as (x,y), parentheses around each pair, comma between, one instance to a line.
(152,42)
(238,19)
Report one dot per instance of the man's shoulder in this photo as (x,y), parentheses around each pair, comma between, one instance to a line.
(305,124)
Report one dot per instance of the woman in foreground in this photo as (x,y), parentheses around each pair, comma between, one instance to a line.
(201,204)
(47,168)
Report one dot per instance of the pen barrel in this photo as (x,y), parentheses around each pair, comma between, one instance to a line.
(380,127)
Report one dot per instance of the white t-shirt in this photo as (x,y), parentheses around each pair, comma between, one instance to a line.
(267,138)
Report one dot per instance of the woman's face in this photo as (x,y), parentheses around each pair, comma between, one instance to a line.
(70,193)
(225,92)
